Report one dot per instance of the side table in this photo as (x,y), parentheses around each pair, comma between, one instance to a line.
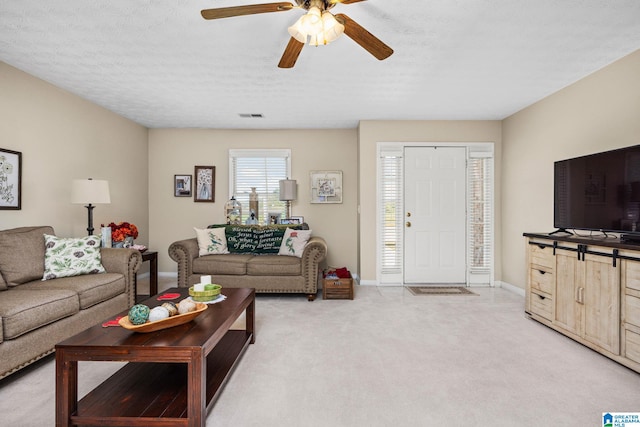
(152,257)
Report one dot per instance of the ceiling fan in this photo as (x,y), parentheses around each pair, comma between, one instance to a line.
(318,26)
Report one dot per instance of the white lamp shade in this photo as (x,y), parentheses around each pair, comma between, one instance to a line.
(288,189)
(90,191)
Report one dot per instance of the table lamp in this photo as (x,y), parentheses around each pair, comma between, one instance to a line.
(288,192)
(90,191)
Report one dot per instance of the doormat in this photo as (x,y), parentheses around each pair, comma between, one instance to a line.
(440,290)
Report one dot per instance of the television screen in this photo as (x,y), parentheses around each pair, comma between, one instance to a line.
(599,191)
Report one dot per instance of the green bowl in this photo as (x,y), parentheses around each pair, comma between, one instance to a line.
(210,292)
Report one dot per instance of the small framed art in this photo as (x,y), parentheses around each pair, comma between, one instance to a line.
(182,185)
(205,185)
(326,186)
(10,179)
(273,217)
(290,221)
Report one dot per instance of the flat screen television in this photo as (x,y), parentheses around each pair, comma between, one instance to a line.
(598,192)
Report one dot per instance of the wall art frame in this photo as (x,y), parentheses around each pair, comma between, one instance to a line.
(326,186)
(10,179)
(182,185)
(273,218)
(205,184)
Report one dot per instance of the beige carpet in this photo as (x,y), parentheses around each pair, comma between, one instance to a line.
(440,290)
(387,358)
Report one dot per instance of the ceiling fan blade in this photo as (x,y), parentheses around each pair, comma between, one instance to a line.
(291,53)
(346,1)
(228,12)
(364,38)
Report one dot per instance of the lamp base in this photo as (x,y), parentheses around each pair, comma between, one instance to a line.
(90,218)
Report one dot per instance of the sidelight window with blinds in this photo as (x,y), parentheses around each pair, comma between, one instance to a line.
(479,213)
(480,216)
(262,169)
(391,205)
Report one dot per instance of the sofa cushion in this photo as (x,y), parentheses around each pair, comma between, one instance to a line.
(232,264)
(22,254)
(274,265)
(294,241)
(211,241)
(3,284)
(24,310)
(65,257)
(91,289)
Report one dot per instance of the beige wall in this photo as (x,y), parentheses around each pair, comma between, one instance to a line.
(177,151)
(63,137)
(598,113)
(372,132)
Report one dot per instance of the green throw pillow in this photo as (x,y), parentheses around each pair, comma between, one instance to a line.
(71,257)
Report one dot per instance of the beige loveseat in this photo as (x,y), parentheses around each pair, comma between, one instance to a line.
(35,315)
(266,272)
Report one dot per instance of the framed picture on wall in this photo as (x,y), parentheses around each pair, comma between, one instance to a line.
(326,186)
(205,185)
(182,185)
(10,179)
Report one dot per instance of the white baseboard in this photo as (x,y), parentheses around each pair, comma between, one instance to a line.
(509,287)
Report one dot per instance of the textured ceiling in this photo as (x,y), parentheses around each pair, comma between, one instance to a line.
(159,63)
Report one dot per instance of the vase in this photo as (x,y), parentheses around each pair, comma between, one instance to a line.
(128,242)
(117,244)
(253,203)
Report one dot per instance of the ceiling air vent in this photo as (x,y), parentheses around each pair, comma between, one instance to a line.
(251,115)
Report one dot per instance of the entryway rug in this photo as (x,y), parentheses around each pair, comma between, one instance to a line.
(440,290)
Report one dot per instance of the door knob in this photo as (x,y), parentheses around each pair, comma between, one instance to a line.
(408,224)
(408,214)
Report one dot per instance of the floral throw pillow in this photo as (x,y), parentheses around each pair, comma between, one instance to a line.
(65,257)
(294,241)
(211,241)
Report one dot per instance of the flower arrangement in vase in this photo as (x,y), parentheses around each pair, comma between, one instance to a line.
(123,233)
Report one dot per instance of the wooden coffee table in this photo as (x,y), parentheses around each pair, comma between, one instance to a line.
(178,372)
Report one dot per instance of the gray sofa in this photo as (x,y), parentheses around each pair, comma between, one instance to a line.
(35,315)
(266,273)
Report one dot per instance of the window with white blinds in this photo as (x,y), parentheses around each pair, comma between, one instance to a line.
(262,169)
(390,213)
(480,213)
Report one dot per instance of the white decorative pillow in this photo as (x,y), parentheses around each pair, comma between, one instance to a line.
(65,257)
(294,241)
(211,241)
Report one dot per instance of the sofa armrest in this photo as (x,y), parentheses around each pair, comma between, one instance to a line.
(314,253)
(184,252)
(126,262)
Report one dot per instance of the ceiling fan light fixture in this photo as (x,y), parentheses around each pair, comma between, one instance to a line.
(332,28)
(312,21)
(297,31)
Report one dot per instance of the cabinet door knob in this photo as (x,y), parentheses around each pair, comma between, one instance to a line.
(408,224)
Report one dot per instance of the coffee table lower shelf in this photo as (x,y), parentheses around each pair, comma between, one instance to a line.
(151,394)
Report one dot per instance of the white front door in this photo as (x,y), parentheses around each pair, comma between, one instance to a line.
(435,215)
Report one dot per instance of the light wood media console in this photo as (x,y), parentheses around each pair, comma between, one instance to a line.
(589,290)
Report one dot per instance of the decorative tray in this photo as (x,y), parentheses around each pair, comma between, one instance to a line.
(169,322)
